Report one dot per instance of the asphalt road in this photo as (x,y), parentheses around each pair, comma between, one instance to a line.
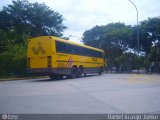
(108,93)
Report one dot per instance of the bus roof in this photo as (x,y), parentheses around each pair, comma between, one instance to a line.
(78,44)
(70,42)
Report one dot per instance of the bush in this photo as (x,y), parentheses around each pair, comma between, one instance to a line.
(13,61)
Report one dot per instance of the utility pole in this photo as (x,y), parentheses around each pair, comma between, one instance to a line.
(137,34)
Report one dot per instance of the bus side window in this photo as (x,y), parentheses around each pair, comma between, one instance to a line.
(79,50)
(67,48)
(72,49)
(82,51)
(58,46)
(86,52)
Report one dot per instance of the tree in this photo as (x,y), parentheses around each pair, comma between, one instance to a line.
(13,61)
(11,38)
(149,32)
(31,18)
(92,37)
(112,38)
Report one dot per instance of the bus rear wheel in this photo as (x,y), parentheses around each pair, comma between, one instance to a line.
(79,72)
(74,72)
(100,71)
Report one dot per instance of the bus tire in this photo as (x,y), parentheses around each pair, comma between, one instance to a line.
(79,72)
(100,71)
(51,76)
(74,72)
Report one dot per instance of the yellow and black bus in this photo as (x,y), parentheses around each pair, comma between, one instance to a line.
(57,57)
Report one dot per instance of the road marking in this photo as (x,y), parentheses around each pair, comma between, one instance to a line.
(143,78)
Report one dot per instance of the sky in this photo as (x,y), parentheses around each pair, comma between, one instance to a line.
(82,15)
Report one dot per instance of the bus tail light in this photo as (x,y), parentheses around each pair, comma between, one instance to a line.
(49,61)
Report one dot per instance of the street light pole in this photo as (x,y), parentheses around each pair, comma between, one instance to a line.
(137,32)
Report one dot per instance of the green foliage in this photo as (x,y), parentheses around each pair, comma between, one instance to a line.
(33,19)
(149,32)
(150,40)
(129,61)
(112,38)
(91,37)
(13,61)
(3,41)
(7,39)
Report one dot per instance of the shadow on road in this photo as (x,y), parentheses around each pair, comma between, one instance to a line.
(61,79)
(48,80)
